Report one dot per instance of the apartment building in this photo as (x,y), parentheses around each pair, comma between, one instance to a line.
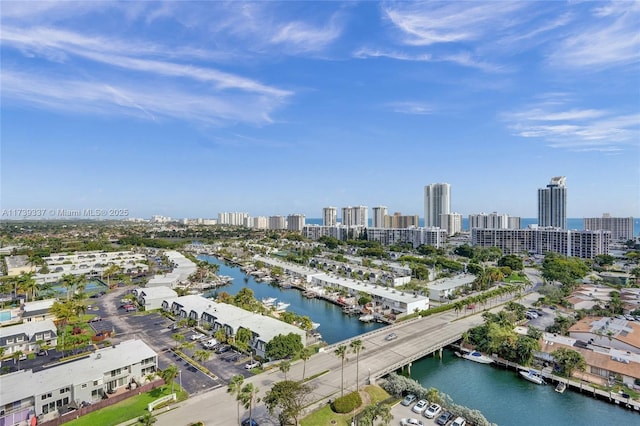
(621,228)
(28,337)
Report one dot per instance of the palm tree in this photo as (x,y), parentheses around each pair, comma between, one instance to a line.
(178,338)
(169,374)
(249,396)
(341,351)
(26,284)
(68,282)
(357,346)
(285,366)
(235,387)
(109,272)
(201,355)
(305,354)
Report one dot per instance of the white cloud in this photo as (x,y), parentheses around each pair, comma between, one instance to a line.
(302,37)
(412,108)
(576,129)
(364,53)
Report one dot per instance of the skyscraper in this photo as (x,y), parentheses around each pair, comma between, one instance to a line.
(552,203)
(437,201)
(329,216)
(355,216)
(378,216)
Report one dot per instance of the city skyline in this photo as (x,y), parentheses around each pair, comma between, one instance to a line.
(188,109)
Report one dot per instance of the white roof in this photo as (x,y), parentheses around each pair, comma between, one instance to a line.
(26,383)
(156,292)
(28,328)
(373,289)
(450,283)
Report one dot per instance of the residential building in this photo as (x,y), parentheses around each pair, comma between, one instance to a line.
(443,288)
(152,298)
(437,201)
(621,227)
(452,223)
(493,221)
(355,216)
(27,393)
(435,237)
(260,222)
(295,222)
(28,337)
(608,332)
(329,216)
(182,269)
(38,310)
(379,215)
(398,220)
(233,218)
(552,204)
(535,240)
(18,264)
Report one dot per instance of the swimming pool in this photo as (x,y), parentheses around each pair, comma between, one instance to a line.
(5,315)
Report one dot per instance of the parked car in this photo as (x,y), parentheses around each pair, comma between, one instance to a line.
(411,422)
(420,406)
(459,421)
(42,352)
(249,422)
(210,344)
(444,418)
(432,411)
(95,319)
(222,349)
(130,308)
(408,400)
(22,357)
(391,336)
(252,365)
(196,336)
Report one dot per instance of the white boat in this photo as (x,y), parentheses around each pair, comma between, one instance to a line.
(315,325)
(268,301)
(561,387)
(477,357)
(532,376)
(281,306)
(366,318)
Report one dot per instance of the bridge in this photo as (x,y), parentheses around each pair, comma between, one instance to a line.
(416,339)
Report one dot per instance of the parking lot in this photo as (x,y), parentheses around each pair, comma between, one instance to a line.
(545,318)
(400,412)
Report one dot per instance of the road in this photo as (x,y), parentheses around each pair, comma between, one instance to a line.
(217,407)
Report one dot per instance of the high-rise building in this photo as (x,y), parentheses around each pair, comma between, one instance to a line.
(437,201)
(452,223)
(233,218)
(552,203)
(277,222)
(329,216)
(621,227)
(355,216)
(379,214)
(493,221)
(398,220)
(295,222)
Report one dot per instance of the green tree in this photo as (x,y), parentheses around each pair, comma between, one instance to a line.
(305,354)
(249,397)
(169,374)
(513,261)
(283,346)
(356,347)
(179,338)
(234,388)
(568,361)
(147,419)
(341,352)
(201,355)
(27,284)
(285,366)
(290,398)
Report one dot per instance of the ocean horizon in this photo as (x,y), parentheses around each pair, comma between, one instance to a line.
(576,224)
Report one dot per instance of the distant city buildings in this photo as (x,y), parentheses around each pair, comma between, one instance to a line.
(493,221)
(233,218)
(398,220)
(621,227)
(379,214)
(329,216)
(277,222)
(552,203)
(295,222)
(452,223)
(437,201)
(355,216)
(386,236)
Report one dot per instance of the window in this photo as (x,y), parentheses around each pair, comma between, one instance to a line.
(20,339)
(95,383)
(116,372)
(9,341)
(84,386)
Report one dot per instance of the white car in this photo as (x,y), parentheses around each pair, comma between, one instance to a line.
(420,406)
(251,365)
(432,411)
(411,422)
(197,336)
(210,344)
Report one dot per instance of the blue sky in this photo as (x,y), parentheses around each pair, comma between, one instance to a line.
(188,109)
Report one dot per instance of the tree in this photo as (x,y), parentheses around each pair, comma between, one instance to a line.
(27,284)
(371,413)
(341,351)
(234,388)
(179,338)
(249,396)
(283,346)
(110,272)
(290,397)
(69,282)
(357,346)
(305,354)
(147,419)
(169,374)
(285,366)
(201,355)
(568,361)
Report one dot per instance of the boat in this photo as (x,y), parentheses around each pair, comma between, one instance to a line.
(560,387)
(281,306)
(366,318)
(268,301)
(532,376)
(315,325)
(477,357)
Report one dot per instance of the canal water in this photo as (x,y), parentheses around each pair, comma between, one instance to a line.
(507,400)
(334,325)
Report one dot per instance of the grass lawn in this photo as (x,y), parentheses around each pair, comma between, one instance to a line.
(129,409)
(325,416)
(514,279)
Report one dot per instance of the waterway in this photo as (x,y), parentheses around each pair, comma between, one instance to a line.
(507,400)
(334,325)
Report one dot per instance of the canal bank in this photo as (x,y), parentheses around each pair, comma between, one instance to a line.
(334,327)
(506,399)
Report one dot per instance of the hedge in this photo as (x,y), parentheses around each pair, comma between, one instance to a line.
(347,403)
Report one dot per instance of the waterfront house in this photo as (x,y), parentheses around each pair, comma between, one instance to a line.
(152,298)
(608,332)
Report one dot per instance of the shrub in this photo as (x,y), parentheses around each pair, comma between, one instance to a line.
(347,403)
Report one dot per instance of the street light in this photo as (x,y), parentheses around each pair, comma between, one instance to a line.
(180,377)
